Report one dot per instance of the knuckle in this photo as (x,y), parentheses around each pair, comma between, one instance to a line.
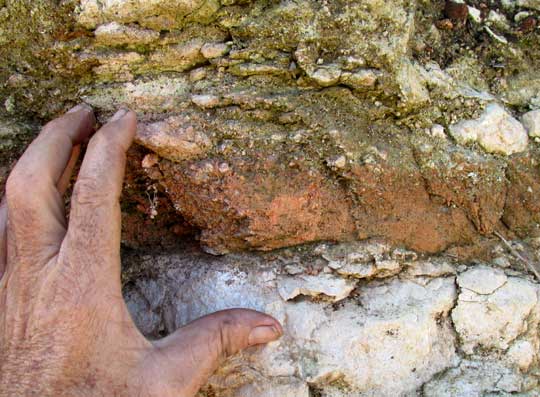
(88,191)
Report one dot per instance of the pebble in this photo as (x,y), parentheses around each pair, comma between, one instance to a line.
(495,130)
(150,160)
(475,14)
(205,101)
(214,50)
(327,76)
(197,74)
(531,122)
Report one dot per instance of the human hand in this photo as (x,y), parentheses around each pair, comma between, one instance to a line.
(64,327)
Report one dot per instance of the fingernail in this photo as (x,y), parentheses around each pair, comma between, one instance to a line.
(118,115)
(263,334)
(80,106)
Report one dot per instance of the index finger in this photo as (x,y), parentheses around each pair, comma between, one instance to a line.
(35,206)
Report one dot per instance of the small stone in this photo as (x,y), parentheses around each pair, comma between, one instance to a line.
(294,269)
(113,33)
(214,50)
(482,280)
(335,288)
(205,101)
(498,20)
(496,131)
(475,14)
(531,122)
(327,76)
(364,78)
(337,161)
(437,131)
(150,160)
(173,138)
(197,74)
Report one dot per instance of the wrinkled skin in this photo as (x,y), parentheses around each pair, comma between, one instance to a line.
(64,327)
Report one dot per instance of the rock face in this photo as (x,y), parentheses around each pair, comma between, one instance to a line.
(389,336)
(293,122)
(401,129)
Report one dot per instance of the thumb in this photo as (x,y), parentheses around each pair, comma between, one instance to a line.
(185,360)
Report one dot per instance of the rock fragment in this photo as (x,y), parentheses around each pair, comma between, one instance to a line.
(494,320)
(113,33)
(531,122)
(496,131)
(362,79)
(326,76)
(205,101)
(482,280)
(214,50)
(173,138)
(335,288)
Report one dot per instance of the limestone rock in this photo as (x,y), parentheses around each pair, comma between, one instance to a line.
(531,121)
(214,50)
(174,138)
(116,34)
(496,131)
(362,260)
(482,280)
(492,309)
(522,354)
(326,285)
(361,79)
(205,101)
(159,14)
(474,379)
(157,95)
(387,341)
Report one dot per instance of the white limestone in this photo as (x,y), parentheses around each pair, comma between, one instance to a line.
(496,131)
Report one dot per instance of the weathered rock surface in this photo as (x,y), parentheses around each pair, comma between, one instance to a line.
(492,309)
(391,336)
(329,102)
(270,124)
(496,131)
(531,121)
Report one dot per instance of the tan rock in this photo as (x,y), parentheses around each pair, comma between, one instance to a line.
(174,138)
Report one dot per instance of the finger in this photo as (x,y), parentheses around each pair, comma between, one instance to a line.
(64,180)
(189,357)
(35,206)
(3,236)
(94,221)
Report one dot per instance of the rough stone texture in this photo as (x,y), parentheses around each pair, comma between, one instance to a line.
(492,309)
(391,336)
(496,131)
(266,124)
(531,121)
(330,101)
